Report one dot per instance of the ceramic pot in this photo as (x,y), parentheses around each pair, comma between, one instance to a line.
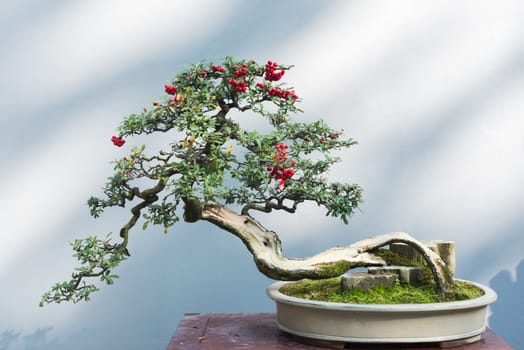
(381,323)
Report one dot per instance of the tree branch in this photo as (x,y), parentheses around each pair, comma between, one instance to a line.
(149,196)
(270,205)
(265,246)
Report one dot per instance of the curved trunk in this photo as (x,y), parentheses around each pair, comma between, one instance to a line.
(267,251)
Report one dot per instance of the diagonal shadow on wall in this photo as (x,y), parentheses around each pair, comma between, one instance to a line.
(7,338)
(509,306)
(38,340)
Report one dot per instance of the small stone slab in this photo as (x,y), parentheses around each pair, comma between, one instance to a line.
(364,280)
(406,274)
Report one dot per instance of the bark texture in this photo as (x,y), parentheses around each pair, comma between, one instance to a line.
(266,248)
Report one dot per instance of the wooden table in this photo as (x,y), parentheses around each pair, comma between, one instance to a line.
(259,331)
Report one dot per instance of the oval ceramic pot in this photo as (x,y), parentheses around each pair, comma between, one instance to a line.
(381,323)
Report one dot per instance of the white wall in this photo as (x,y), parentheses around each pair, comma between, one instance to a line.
(433,92)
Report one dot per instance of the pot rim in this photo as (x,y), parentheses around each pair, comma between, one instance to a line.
(489,297)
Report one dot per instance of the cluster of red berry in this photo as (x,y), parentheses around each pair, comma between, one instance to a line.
(282,93)
(281,171)
(217,68)
(271,72)
(240,86)
(241,72)
(170,89)
(118,141)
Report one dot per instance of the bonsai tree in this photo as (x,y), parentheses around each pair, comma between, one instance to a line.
(218,171)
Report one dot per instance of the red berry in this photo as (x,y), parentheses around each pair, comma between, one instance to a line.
(117,141)
(170,89)
(240,72)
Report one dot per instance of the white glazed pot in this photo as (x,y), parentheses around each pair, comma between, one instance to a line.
(381,323)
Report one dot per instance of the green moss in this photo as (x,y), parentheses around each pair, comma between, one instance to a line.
(329,290)
(393,258)
(334,269)
(465,291)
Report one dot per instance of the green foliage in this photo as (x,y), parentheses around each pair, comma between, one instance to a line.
(212,158)
(98,258)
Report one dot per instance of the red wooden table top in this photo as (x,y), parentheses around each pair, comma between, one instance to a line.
(259,331)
